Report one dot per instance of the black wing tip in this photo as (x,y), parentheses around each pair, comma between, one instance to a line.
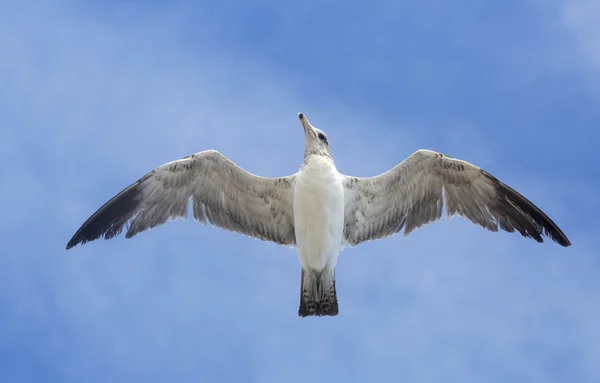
(561,239)
(548,227)
(71,244)
(108,221)
(566,243)
(558,237)
(78,239)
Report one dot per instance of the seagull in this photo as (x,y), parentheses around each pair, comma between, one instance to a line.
(318,210)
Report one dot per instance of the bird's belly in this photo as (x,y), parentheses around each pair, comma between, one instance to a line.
(318,219)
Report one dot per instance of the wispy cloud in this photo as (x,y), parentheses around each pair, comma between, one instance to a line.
(96,95)
(582,18)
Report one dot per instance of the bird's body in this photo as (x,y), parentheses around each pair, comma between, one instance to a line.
(318,210)
(319,226)
(318,214)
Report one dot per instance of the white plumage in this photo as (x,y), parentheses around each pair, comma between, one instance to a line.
(318,214)
(318,210)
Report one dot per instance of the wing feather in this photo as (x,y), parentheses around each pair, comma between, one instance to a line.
(222,194)
(415,192)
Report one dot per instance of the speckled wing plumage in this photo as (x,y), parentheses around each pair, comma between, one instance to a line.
(413,194)
(222,194)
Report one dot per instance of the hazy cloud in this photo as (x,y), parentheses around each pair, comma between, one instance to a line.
(95,95)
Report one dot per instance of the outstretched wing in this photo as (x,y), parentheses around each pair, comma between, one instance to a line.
(221,192)
(413,193)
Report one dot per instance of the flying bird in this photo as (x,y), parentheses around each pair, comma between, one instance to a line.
(318,210)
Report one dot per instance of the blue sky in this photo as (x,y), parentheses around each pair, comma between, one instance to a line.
(95,94)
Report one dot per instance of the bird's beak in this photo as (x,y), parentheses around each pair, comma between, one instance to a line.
(305,124)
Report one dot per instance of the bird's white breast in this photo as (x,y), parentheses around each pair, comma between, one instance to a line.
(318,213)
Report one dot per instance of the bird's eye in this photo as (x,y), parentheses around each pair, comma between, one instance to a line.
(322,137)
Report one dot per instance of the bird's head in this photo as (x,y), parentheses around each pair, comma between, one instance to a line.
(315,140)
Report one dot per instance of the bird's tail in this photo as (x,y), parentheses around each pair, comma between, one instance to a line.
(317,294)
